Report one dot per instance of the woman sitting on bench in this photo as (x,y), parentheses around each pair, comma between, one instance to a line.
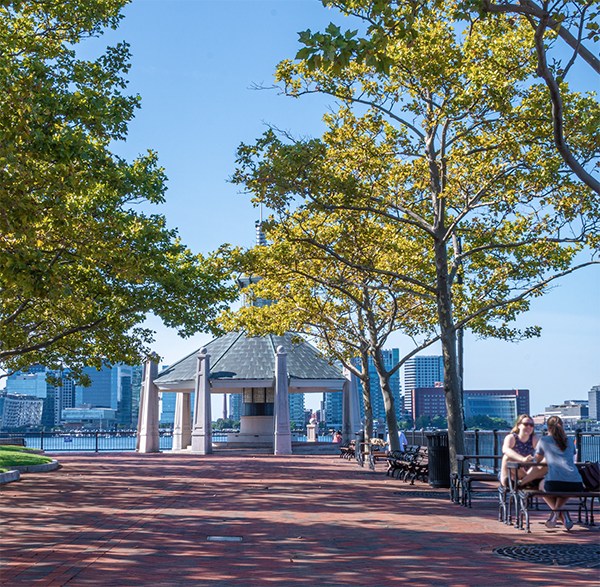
(558,452)
(518,446)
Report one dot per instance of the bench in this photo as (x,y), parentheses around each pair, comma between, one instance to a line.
(412,464)
(526,497)
(347,450)
(461,483)
(523,497)
(12,442)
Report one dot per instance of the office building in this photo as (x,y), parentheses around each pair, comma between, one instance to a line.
(111,387)
(35,383)
(17,410)
(505,404)
(594,403)
(235,406)
(296,408)
(166,407)
(136,388)
(571,411)
(421,371)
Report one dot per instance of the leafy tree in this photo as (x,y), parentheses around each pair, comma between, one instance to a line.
(79,267)
(341,306)
(439,422)
(562,31)
(483,422)
(440,149)
(406,423)
(423,421)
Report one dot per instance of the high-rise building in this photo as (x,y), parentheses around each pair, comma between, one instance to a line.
(167,407)
(235,406)
(17,410)
(136,389)
(594,403)
(332,406)
(111,387)
(421,371)
(296,408)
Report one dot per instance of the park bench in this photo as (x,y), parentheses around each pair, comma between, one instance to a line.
(12,442)
(347,450)
(412,464)
(370,452)
(526,503)
(467,480)
(527,499)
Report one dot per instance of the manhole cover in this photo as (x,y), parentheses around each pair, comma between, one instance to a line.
(431,494)
(564,555)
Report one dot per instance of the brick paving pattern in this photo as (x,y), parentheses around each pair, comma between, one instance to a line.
(125,519)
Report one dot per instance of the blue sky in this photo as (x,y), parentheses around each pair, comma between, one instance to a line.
(193,63)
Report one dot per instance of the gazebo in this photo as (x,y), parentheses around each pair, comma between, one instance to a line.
(265,370)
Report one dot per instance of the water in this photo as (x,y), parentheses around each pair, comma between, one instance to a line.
(103,441)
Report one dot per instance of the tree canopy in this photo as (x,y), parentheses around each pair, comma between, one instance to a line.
(450,149)
(80,267)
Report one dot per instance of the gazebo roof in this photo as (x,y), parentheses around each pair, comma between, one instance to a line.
(236,356)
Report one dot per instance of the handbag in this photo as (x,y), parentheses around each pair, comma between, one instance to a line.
(590,473)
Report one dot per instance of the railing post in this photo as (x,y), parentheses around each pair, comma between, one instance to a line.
(495,451)
(96,441)
(578,445)
(42,440)
(476,448)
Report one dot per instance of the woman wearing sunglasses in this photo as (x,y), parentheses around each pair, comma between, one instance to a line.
(558,452)
(519,446)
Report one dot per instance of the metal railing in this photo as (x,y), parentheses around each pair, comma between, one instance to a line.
(489,442)
(104,441)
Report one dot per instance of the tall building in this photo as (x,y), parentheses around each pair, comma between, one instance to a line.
(17,410)
(505,404)
(332,406)
(34,383)
(111,387)
(235,406)
(421,371)
(296,408)
(136,389)
(167,407)
(594,403)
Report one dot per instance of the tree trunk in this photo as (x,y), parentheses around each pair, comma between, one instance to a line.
(366,387)
(388,400)
(452,387)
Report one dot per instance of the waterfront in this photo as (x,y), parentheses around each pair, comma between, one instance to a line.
(477,442)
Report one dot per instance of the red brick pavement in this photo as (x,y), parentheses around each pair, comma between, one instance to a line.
(125,519)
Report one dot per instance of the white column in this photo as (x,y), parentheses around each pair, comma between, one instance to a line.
(202,433)
(283,437)
(147,440)
(350,407)
(182,428)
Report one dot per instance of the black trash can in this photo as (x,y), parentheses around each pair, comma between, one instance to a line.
(439,459)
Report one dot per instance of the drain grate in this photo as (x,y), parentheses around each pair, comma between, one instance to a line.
(564,555)
(224,538)
(431,494)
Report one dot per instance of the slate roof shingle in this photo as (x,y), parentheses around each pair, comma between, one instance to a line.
(237,356)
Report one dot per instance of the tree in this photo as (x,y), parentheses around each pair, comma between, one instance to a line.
(447,148)
(573,22)
(343,307)
(79,268)
(482,422)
